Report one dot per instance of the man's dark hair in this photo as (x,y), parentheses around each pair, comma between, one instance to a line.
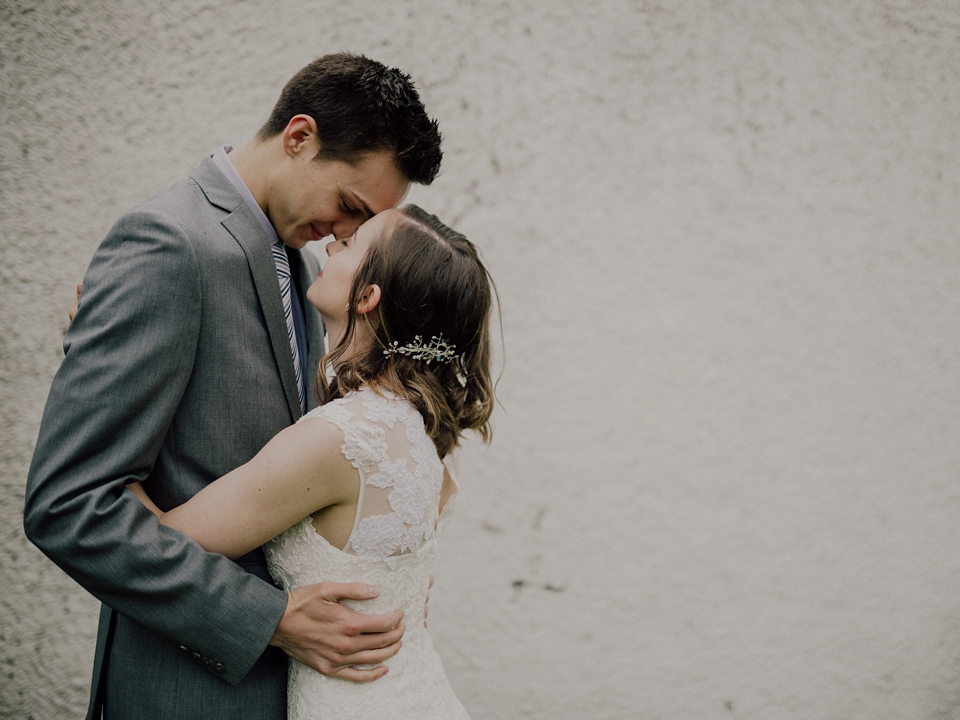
(361,106)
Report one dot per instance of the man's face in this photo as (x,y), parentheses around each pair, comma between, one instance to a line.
(316,198)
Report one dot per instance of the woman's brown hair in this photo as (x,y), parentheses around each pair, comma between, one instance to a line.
(433,285)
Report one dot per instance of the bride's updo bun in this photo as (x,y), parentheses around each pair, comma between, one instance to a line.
(430,330)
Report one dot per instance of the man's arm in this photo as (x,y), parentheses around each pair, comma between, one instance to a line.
(128,358)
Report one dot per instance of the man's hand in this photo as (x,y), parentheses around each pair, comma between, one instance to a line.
(329,637)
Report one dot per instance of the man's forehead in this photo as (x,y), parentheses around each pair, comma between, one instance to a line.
(380,184)
(357,199)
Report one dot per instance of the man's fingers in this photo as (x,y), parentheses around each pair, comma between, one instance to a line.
(356,666)
(361,676)
(374,624)
(378,641)
(346,591)
(373,657)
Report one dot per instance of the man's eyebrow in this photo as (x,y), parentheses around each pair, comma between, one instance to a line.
(366,208)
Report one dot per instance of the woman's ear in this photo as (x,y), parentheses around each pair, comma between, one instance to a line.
(369,299)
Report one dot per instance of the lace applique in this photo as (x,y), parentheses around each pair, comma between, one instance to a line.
(364,443)
(424,453)
(390,473)
(413,538)
(378,536)
(409,499)
(387,408)
(335,412)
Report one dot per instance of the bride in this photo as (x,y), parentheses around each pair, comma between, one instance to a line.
(358,490)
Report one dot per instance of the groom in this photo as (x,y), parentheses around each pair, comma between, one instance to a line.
(194,345)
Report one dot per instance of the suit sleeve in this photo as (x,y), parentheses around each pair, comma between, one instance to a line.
(128,359)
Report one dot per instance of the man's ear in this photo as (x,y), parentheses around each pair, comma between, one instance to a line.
(369,300)
(300,132)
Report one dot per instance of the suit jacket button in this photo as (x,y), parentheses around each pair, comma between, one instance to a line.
(219,668)
(185,648)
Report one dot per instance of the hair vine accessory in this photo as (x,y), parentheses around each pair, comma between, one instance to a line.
(437,349)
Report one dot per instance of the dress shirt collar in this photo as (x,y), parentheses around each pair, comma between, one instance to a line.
(223,162)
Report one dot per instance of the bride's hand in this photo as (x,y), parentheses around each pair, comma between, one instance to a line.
(137,489)
(76,303)
(329,637)
(426,603)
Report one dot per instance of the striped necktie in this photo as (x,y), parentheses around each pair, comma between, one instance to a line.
(283,275)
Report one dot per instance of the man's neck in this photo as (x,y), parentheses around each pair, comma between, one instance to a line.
(250,162)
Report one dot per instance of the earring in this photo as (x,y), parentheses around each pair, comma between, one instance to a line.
(347,307)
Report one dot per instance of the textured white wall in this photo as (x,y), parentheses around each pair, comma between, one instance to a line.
(725,482)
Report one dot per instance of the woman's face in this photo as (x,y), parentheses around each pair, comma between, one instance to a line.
(330,293)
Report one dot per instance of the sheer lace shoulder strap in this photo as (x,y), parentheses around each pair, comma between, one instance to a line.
(400,488)
(363,442)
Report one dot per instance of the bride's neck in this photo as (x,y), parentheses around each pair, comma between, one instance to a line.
(358,346)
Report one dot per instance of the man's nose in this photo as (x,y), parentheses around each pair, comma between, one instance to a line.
(346,228)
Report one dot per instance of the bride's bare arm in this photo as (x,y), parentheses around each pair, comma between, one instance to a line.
(300,471)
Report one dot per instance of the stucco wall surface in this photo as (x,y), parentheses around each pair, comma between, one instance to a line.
(725,481)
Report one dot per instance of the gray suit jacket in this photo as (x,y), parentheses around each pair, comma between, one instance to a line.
(177,369)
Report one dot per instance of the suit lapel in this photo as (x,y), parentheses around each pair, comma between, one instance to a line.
(248,233)
(256,246)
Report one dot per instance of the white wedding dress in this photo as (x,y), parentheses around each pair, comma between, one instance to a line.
(393,545)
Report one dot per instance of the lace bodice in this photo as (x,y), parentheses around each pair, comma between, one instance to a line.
(393,545)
